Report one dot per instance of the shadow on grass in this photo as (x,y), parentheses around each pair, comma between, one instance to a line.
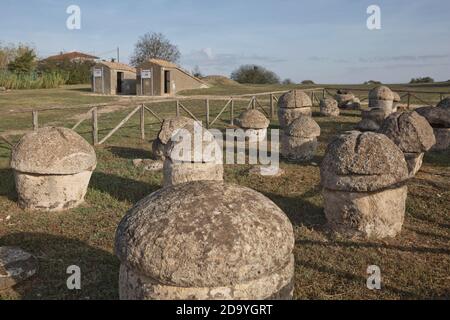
(86,89)
(99,268)
(300,210)
(122,188)
(130,153)
(441,159)
(7,186)
(351,277)
(374,245)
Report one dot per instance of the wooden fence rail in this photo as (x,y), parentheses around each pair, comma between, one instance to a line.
(255,101)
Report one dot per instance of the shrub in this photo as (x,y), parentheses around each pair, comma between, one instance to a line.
(422,80)
(24,62)
(254,74)
(33,80)
(308,82)
(372,82)
(287,82)
(77,72)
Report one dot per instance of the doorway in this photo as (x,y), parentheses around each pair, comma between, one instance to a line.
(119,82)
(167,82)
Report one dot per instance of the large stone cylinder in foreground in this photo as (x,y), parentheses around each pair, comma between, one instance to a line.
(363,177)
(52,168)
(205,240)
(293,105)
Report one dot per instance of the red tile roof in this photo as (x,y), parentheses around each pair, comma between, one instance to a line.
(72,55)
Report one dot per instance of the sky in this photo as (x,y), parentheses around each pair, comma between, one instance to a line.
(326,41)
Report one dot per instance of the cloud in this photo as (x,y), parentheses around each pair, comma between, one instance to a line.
(207,58)
(410,58)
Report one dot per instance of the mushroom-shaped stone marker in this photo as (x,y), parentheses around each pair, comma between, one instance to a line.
(52,168)
(168,127)
(363,177)
(371,120)
(344,98)
(381,105)
(382,97)
(205,240)
(293,105)
(439,119)
(329,107)
(299,140)
(254,123)
(412,134)
(192,154)
(397,100)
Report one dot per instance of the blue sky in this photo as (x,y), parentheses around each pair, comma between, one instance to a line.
(323,40)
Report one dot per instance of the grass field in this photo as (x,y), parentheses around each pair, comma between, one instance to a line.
(415,265)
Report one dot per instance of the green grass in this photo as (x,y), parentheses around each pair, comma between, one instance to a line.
(415,265)
(65,96)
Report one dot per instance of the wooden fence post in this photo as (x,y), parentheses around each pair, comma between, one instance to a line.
(35,120)
(232,112)
(207,112)
(254,102)
(178,108)
(95,126)
(272,110)
(142,122)
(323,94)
(409,100)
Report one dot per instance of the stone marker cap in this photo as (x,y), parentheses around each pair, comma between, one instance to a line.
(252,119)
(444,104)
(304,127)
(169,125)
(53,151)
(201,144)
(205,234)
(381,93)
(362,162)
(294,99)
(436,116)
(410,132)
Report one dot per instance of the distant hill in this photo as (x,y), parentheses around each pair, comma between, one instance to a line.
(220,81)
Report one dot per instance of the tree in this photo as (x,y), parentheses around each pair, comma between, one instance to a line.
(24,62)
(154,46)
(372,82)
(254,74)
(197,73)
(308,82)
(77,72)
(422,80)
(287,82)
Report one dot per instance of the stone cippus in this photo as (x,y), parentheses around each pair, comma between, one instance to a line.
(226,309)
(208,145)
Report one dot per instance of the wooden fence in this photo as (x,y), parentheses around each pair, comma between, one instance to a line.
(266,102)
